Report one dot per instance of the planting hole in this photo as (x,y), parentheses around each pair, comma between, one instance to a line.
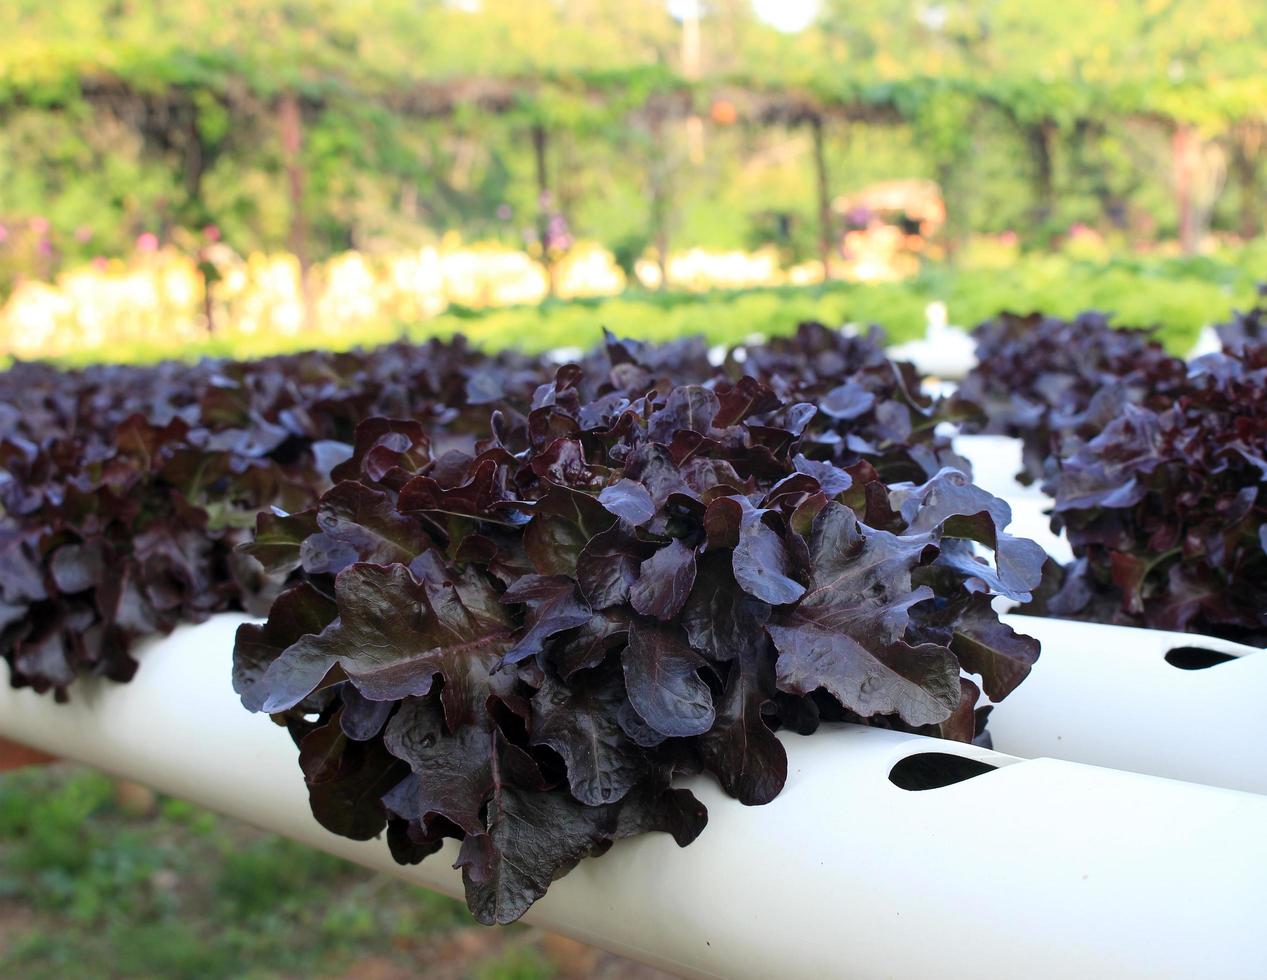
(933,770)
(1196,658)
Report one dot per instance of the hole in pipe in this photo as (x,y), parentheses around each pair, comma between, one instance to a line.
(933,770)
(1196,658)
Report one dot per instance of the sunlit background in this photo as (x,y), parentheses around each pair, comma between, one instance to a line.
(255,175)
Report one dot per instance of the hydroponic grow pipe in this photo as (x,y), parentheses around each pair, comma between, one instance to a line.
(1171,704)
(1036,869)
(944,352)
(995,462)
(1179,705)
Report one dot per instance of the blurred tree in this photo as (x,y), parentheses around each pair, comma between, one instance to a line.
(325,124)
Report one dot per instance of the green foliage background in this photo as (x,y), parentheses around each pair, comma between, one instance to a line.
(91,889)
(416,114)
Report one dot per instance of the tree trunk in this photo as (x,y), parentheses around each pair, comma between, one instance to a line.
(195,212)
(1200,168)
(659,180)
(952,234)
(543,202)
(822,183)
(691,69)
(290,121)
(1040,139)
(1247,144)
(1183,149)
(208,300)
(291,125)
(1092,168)
(195,165)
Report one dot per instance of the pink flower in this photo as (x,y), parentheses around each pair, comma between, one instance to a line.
(1008,238)
(45,247)
(100,263)
(82,234)
(211,233)
(4,233)
(39,225)
(147,242)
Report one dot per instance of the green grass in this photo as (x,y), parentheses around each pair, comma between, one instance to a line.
(1177,295)
(88,891)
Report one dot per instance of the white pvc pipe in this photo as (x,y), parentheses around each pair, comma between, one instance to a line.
(1106,695)
(1030,520)
(1041,869)
(995,462)
(944,351)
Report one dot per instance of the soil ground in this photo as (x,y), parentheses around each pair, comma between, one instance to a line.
(102,880)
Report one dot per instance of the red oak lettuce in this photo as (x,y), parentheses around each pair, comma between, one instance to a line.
(509,602)
(521,644)
(1166,510)
(1156,467)
(125,491)
(1046,380)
